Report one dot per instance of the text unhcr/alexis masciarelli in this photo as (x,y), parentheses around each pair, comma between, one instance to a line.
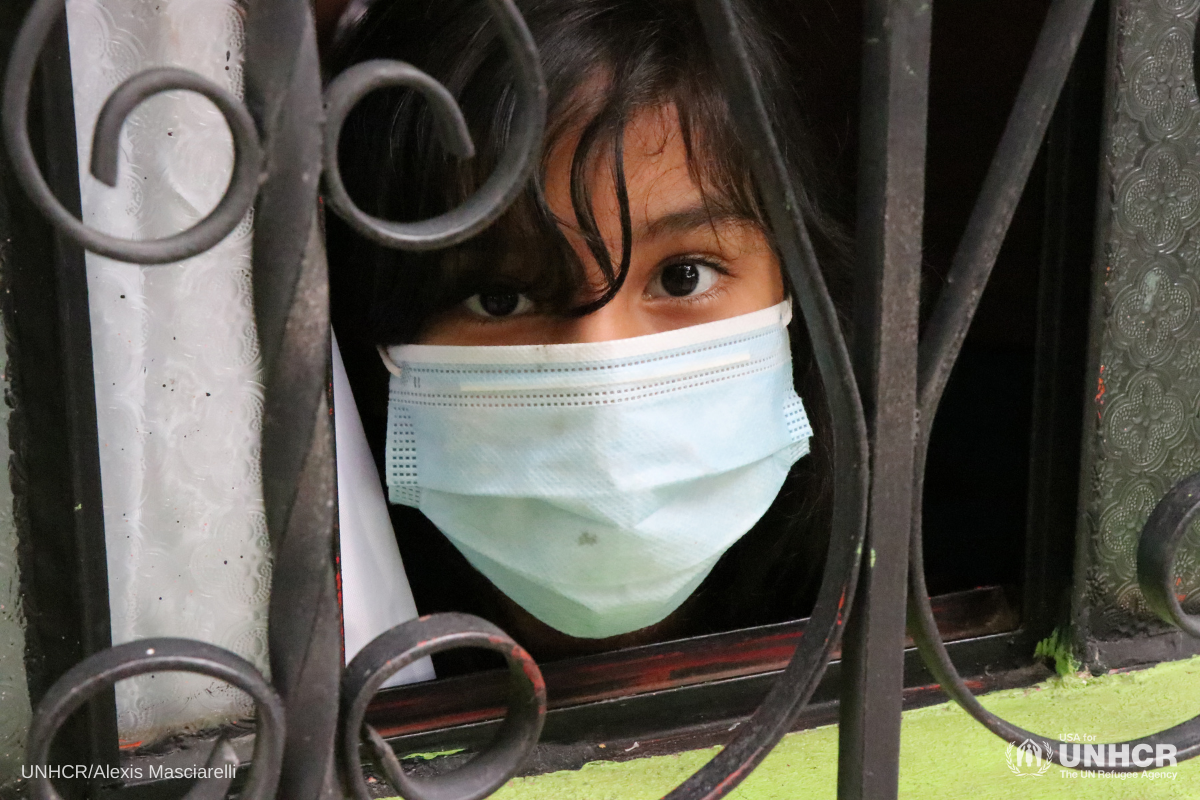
(105,772)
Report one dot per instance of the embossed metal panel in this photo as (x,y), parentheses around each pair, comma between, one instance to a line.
(1142,429)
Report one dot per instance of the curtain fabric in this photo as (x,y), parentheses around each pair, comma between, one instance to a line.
(178,391)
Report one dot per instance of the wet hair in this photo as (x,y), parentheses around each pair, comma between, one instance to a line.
(605,62)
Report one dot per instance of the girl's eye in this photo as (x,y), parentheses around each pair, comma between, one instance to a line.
(495,305)
(683,280)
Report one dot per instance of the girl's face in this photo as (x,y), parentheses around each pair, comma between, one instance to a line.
(686,267)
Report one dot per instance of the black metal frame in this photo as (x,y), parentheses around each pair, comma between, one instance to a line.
(307,745)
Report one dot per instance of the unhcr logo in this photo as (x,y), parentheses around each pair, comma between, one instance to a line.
(1118,761)
(1027,758)
(1110,756)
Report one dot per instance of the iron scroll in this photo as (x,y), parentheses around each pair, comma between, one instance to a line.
(102,670)
(270,771)
(396,647)
(969,273)
(206,234)
(392,651)
(508,179)
(293,358)
(1160,540)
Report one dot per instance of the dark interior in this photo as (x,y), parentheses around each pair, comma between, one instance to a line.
(977,472)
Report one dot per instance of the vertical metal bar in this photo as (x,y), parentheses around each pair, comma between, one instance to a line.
(890,214)
(291,305)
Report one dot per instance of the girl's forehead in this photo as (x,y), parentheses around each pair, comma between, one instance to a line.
(648,132)
(655,161)
(653,129)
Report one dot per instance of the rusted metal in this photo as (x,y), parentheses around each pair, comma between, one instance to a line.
(414,640)
(652,670)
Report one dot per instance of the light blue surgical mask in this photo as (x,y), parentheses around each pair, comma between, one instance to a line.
(597,484)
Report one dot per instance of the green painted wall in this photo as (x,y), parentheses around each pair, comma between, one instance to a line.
(944,753)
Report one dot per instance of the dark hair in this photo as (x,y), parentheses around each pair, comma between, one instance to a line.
(643,54)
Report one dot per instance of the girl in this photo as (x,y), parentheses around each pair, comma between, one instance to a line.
(599,492)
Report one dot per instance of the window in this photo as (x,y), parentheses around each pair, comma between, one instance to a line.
(1022,360)
(1003,470)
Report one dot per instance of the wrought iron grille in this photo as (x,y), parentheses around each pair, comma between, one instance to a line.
(883,396)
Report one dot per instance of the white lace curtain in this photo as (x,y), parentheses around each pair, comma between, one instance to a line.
(176,361)
(178,393)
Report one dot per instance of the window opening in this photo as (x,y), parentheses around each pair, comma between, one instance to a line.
(283,506)
(979,572)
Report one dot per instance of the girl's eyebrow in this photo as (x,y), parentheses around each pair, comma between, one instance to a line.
(685,220)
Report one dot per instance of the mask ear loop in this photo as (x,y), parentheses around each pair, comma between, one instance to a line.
(387,362)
